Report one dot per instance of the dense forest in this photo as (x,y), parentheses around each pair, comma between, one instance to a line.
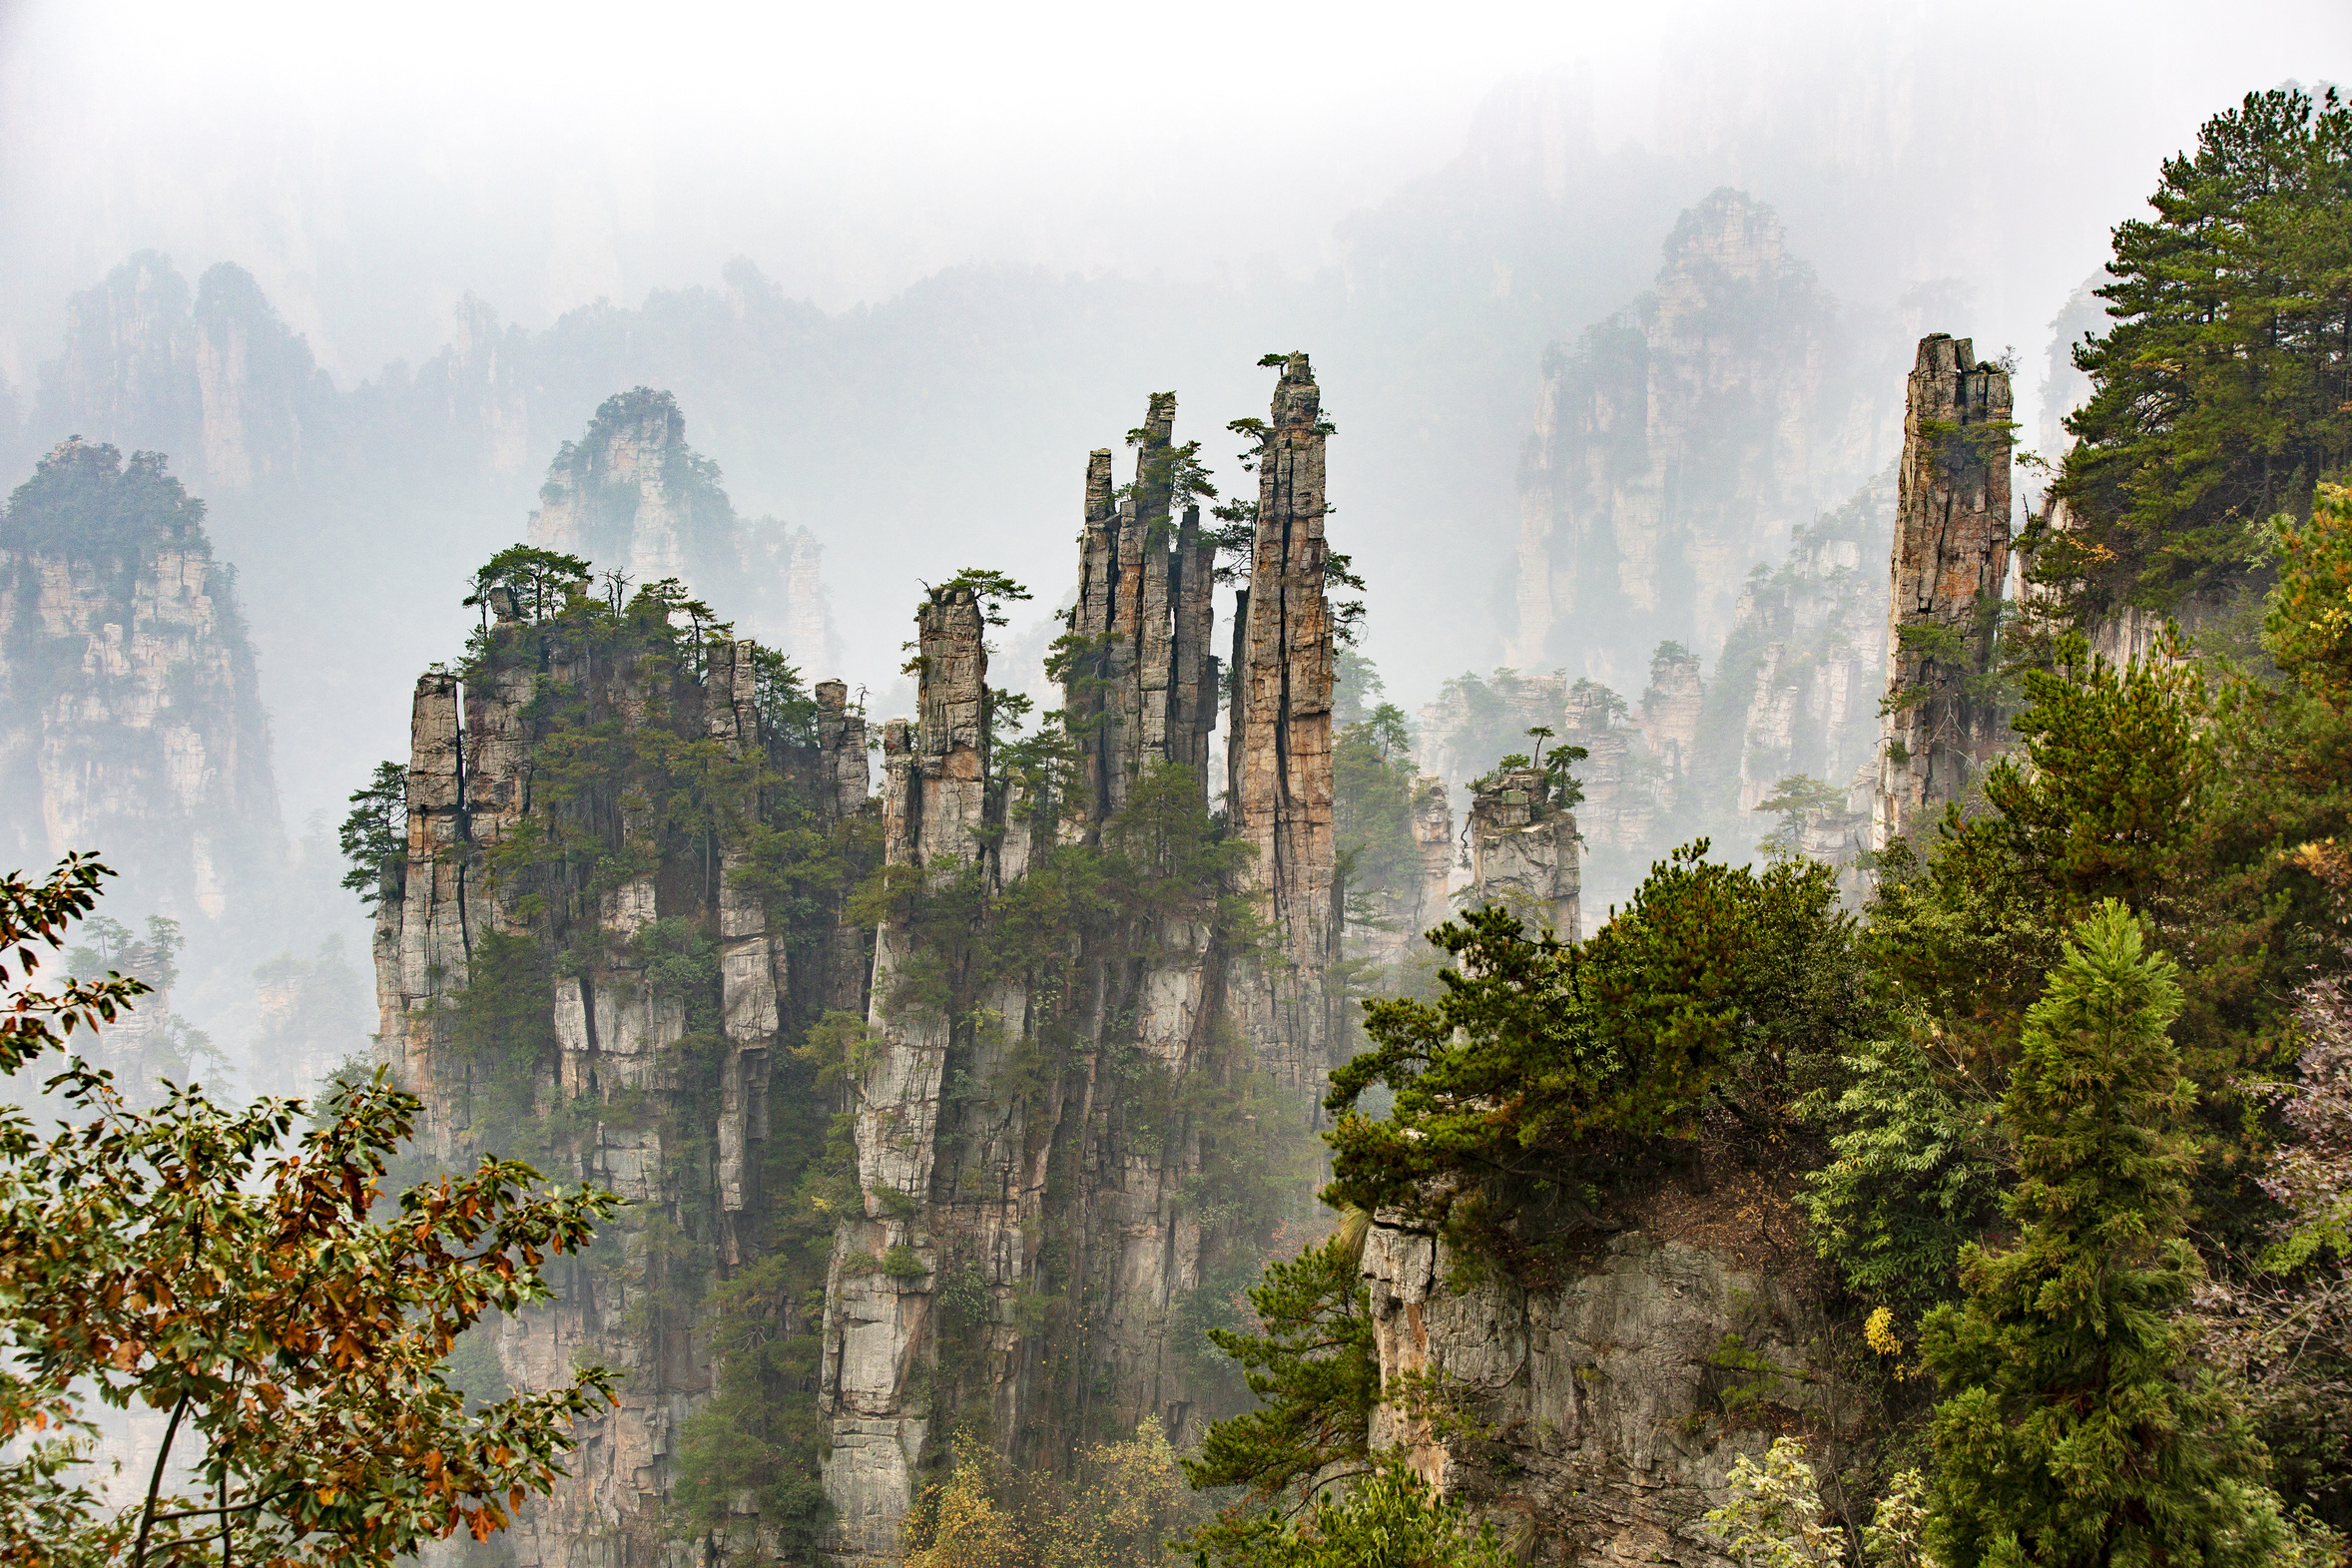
(1026,1164)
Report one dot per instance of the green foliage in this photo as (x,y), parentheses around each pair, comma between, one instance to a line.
(1372,813)
(2073,1429)
(1389,1519)
(2115,768)
(1310,1362)
(2308,623)
(992,589)
(527,583)
(2224,389)
(1798,800)
(1916,1173)
(1774,1516)
(174,1260)
(1546,1064)
(85,502)
(375,836)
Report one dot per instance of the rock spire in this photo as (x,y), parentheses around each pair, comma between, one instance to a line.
(1949,559)
(1142,686)
(1279,740)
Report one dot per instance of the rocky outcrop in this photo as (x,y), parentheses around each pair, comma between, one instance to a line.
(1477,721)
(1597,1416)
(652,1048)
(1680,441)
(1278,744)
(131,720)
(1144,686)
(1627,785)
(1523,851)
(1022,1249)
(631,496)
(786,604)
(1946,571)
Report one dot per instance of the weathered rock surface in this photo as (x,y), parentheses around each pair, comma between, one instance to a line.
(1278,744)
(1603,1396)
(1044,1193)
(1947,572)
(1524,853)
(612,1051)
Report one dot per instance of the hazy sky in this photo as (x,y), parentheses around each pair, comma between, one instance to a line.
(373,165)
(544,155)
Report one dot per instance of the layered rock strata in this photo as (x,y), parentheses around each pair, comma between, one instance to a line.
(1024,1250)
(490,886)
(1524,853)
(1945,576)
(1278,743)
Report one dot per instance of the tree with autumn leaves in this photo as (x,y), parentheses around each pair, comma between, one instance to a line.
(257,1289)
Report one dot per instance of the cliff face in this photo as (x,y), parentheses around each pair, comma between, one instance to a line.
(1608,1407)
(1039,1093)
(571,965)
(1947,573)
(1045,1239)
(1278,745)
(1681,440)
(213,376)
(1524,853)
(130,713)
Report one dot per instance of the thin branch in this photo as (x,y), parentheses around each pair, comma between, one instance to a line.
(155,1483)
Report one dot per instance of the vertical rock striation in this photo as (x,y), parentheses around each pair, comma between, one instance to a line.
(1524,853)
(1011,1068)
(1279,741)
(1946,573)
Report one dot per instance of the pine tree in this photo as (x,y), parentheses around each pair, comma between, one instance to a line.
(2073,1429)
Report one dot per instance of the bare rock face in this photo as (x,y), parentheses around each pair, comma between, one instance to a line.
(473,906)
(129,710)
(1679,442)
(1794,699)
(1019,1190)
(1524,853)
(1670,707)
(1614,1415)
(1625,785)
(1279,743)
(1143,691)
(1950,560)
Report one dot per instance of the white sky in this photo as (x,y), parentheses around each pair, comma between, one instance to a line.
(853,149)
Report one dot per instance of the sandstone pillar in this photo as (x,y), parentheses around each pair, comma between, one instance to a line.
(1951,557)
(1281,798)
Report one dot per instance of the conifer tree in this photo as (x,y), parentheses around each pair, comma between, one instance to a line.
(2073,1429)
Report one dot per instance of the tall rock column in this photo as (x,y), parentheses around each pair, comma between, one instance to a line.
(1143,687)
(934,806)
(843,777)
(1951,556)
(1282,780)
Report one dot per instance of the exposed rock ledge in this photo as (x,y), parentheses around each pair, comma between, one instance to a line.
(1606,1402)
